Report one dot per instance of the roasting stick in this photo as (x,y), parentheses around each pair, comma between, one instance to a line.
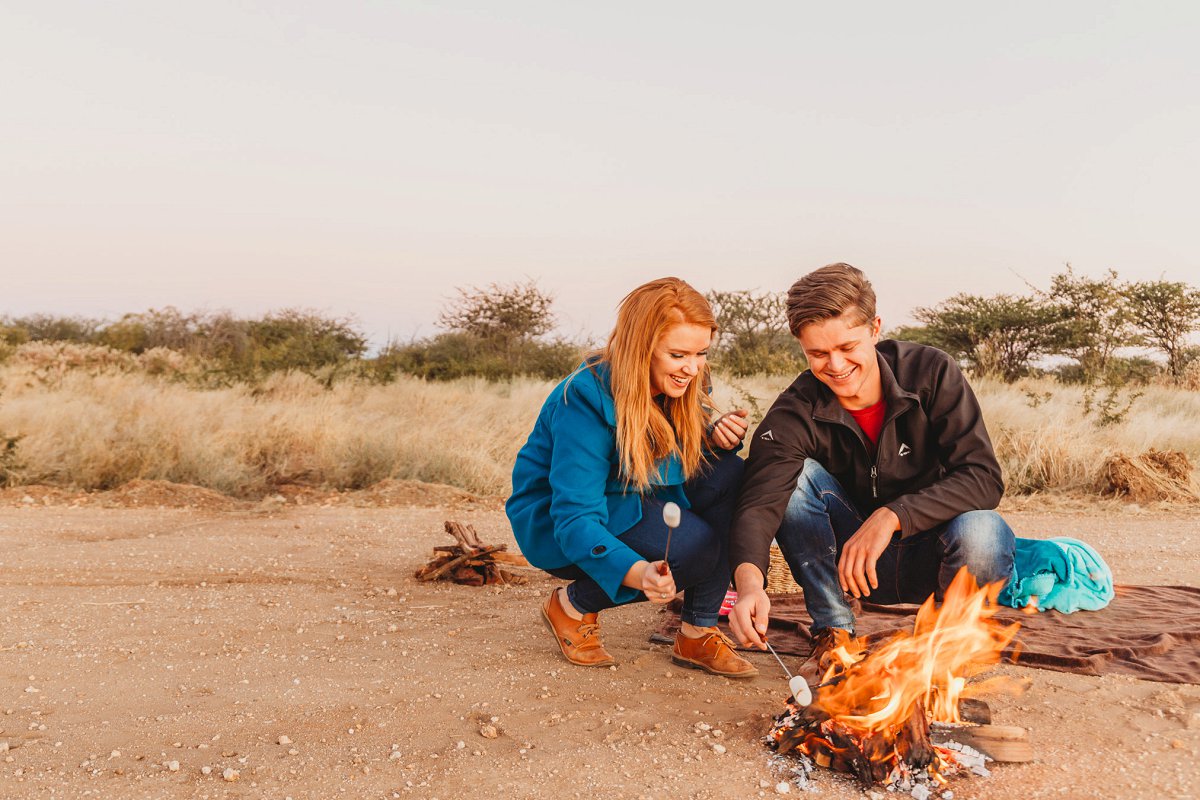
(796,683)
(671,514)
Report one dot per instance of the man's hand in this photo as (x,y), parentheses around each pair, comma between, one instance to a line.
(856,567)
(748,619)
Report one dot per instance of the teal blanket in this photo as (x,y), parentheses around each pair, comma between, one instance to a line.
(1059,574)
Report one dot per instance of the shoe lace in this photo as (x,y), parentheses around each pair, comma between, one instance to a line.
(588,629)
(722,639)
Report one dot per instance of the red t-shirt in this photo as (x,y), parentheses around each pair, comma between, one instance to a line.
(870,419)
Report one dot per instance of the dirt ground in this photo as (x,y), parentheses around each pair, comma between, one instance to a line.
(146,650)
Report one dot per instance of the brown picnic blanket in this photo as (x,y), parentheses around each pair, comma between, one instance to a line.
(1147,632)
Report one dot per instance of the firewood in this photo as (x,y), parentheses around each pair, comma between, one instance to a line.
(470,561)
(510,558)
(972,709)
(1004,743)
(465,534)
(445,567)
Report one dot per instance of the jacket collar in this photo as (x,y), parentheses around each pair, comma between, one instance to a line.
(668,471)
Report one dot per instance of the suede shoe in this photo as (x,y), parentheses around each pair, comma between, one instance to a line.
(579,640)
(713,653)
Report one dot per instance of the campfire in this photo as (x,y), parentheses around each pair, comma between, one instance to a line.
(877,714)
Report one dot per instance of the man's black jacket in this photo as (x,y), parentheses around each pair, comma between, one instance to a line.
(934,460)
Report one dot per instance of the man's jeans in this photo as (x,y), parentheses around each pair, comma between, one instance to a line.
(699,556)
(820,519)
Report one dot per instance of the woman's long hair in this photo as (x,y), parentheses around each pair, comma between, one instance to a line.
(646,431)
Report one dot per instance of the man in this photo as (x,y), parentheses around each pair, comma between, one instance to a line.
(873,471)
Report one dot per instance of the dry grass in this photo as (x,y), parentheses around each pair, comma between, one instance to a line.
(1043,439)
(98,427)
(99,430)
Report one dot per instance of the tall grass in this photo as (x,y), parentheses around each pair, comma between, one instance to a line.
(1044,440)
(97,431)
(97,428)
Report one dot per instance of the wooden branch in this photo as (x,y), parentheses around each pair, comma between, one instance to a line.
(441,570)
(1004,743)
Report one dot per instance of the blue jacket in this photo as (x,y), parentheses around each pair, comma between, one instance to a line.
(569,502)
(1059,574)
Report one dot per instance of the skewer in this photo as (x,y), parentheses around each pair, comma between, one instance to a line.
(796,683)
(671,514)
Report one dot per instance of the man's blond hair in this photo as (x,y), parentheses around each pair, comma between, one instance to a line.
(827,293)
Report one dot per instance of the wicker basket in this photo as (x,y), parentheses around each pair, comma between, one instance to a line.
(779,575)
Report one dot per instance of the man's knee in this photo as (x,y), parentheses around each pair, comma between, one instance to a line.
(981,541)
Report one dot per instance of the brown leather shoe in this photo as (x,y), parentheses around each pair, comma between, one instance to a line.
(579,641)
(712,652)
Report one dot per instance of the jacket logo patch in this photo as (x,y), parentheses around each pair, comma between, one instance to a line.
(904,449)
(767,437)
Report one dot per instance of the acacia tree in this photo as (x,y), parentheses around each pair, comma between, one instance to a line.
(1000,336)
(495,332)
(1167,312)
(753,335)
(1096,320)
(503,313)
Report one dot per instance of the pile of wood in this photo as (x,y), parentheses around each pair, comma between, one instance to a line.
(471,562)
(914,751)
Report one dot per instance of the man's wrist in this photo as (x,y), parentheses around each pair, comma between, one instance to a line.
(748,578)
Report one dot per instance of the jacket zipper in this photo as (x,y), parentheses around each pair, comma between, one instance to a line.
(874,475)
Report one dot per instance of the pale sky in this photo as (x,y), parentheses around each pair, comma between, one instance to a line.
(366,158)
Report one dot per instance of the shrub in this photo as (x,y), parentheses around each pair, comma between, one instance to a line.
(753,336)
(450,356)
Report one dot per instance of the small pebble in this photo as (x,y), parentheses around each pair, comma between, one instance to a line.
(230,774)
(719,749)
(783,787)
(284,740)
(488,731)
(206,770)
(173,766)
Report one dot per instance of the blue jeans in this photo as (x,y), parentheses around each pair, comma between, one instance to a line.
(699,555)
(820,518)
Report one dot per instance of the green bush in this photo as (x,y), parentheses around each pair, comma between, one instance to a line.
(449,356)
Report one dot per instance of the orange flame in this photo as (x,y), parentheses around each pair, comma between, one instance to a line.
(928,667)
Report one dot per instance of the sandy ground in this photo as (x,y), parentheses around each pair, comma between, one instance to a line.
(144,651)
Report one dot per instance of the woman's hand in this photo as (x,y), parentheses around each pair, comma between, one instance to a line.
(730,428)
(659,589)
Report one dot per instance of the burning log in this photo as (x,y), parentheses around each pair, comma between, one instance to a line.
(471,562)
(1005,743)
(872,713)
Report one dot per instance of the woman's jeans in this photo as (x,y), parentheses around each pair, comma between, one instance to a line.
(820,518)
(699,555)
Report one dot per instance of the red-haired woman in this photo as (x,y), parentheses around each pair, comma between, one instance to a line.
(627,432)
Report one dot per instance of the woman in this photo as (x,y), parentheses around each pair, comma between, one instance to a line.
(626,433)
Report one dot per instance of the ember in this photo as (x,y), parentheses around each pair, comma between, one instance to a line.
(470,562)
(872,712)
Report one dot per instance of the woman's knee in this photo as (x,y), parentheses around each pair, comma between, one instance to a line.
(696,548)
(723,474)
